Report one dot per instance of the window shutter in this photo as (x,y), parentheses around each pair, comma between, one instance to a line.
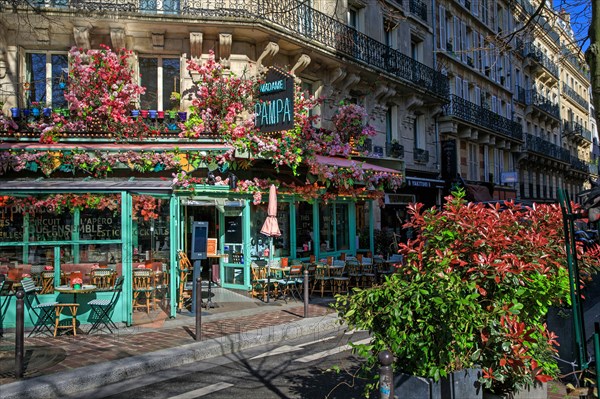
(477,95)
(443,38)
(466,90)
(494,105)
(475,7)
(476,62)
(456,38)
(463,41)
(459,87)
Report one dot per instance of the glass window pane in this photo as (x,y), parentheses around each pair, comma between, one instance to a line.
(60,71)
(148,79)
(170,82)
(11,225)
(99,225)
(326,226)
(259,242)
(342,228)
(10,256)
(171,6)
(36,77)
(50,227)
(304,230)
(41,255)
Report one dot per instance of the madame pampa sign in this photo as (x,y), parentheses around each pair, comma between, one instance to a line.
(274,110)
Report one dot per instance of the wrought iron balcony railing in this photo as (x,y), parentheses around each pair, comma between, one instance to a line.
(579,165)
(546,148)
(532,97)
(531,50)
(575,61)
(576,128)
(418,8)
(420,155)
(480,116)
(288,16)
(570,92)
(394,150)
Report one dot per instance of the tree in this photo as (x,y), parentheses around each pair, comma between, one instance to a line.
(593,56)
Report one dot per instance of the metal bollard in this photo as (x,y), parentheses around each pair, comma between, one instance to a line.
(305,290)
(198,308)
(597,352)
(386,376)
(20,334)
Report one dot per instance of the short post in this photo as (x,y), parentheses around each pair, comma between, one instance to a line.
(20,334)
(597,352)
(198,308)
(386,376)
(305,290)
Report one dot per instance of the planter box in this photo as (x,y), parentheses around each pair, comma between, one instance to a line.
(539,392)
(459,385)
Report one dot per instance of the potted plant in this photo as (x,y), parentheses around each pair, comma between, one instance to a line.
(473,292)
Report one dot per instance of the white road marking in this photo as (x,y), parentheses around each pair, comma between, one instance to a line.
(320,355)
(287,348)
(203,391)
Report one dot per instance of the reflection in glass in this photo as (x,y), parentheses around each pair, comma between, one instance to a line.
(304,230)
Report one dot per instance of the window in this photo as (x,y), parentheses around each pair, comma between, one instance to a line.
(472,160)
(160,76)
(47,75)
(334,227)
(498,165)
(419,131)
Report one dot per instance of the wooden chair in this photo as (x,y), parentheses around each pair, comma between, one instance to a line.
(368,274)
(143,287)
(103,279)
(184,269)
(340,281)
(322,280)
(354,273)
(47,282)
(258,283)
(295,281)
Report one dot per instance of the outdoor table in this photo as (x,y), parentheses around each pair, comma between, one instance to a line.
(67,289)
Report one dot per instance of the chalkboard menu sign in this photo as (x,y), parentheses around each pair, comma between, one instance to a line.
(233,229)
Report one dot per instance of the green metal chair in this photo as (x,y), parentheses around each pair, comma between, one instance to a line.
(101,309)
(43,310)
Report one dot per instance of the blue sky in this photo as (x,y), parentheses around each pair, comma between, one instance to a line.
(581,13)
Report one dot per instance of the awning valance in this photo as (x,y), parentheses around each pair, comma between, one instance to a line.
(347,163)
(86,185)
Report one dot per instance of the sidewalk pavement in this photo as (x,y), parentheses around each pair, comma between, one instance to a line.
(62,366)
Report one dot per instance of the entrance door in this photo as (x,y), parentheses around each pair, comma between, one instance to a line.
(210,215)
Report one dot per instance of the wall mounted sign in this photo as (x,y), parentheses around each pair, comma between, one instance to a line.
(274,110)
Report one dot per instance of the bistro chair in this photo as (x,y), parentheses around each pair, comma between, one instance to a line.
(36,275)
(101,309)
(184,269)
(47,282)
(340,281)
(354,273)
(322,280)
(312,270)
(103,279)
(368,274)
(42,310)
(295,281)
(5,294)
(143,287)
(258,283)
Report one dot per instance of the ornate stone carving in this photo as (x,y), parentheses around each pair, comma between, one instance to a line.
(196,45)
(225,41)
(301,64)
(117,38)
(82,37)
(271,49)
(158,41)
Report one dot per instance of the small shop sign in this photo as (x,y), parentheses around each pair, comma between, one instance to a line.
(274,110)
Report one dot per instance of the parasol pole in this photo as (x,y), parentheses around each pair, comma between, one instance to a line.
(269,268)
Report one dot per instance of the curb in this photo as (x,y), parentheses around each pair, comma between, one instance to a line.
(59,385)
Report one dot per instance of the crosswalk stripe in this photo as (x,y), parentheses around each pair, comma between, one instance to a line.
(203,391)
(329,352)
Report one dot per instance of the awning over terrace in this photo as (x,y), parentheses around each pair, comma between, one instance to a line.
(347,163)
(86,185)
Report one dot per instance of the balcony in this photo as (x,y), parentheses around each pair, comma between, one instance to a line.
(535,99)
(394,150)
(572,94)
(576,63)
(285,16)
(420,155)
(418,8)
(574,128)
(540,146)
(483,117)
(579,165)
(532,51)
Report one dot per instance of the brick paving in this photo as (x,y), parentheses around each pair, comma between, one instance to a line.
(45,355)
